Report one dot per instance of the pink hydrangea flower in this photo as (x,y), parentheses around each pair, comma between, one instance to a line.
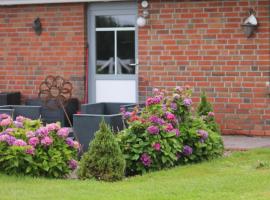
(156,146)
(179,89)
(46,141)
(18,124)
(30,150)
(43,131)
(170,116)
(19,143)
(211,114)
(53,127)
(4,116)
(169,127)
(30,134)
(6,122)
(76,145)
(63,132)
(33,141)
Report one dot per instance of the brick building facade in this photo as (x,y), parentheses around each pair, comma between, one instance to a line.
(196,43)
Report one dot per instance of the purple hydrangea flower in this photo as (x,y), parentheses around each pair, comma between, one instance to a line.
(19,143)
(179,89)
(164,108)
(176,96)
(46,141)
(173,106)
(70,142)
(43,131)
(10,139)
(187,150)
(153,130)
(9,130)
(72,164)
(187,102)
(156,120)
(63,132)
(146,159)
(20,119)
(177,132)
(18,124)
(203,134)
(33,141)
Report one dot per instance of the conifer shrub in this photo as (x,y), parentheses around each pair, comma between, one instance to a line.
(104,159)
(205,111)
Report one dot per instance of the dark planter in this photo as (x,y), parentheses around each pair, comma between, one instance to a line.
(51,115)
(10,98)
(87,123)
(32,112)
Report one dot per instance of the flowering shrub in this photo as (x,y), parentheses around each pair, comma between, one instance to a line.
(166,133)
(152,141)
(27,147)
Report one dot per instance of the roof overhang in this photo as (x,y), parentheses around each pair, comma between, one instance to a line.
(21,2)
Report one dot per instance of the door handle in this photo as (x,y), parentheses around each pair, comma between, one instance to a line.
(134,64)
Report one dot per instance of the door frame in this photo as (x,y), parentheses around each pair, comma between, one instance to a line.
(107,8)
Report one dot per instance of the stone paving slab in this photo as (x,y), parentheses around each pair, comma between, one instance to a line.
(244,142)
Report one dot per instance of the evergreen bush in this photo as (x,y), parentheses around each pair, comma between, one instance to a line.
(104,159)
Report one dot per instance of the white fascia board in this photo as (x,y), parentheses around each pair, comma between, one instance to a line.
(21,2)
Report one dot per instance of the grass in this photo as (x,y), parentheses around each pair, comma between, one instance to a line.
(233,178)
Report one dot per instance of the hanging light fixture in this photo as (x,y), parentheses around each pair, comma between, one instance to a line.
(141,20)
(250,24)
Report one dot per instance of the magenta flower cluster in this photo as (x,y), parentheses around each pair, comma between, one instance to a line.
(146,159)
(187,102)
(153,100)
(187,150)
(153,130)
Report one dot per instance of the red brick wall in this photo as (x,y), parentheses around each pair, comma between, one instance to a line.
(26,59)
(200,43)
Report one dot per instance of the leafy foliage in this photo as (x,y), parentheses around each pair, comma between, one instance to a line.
(104,159)
(205,111)
(28,148)
(165,133)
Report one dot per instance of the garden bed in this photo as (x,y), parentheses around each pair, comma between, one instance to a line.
(234,177)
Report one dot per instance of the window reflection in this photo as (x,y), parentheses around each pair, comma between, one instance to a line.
(115,21)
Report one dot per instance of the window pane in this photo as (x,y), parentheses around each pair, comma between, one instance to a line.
(115,21)
(105,52)
(125,52)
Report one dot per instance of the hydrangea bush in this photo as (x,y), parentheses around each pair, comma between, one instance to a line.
(166,133)
(27,147)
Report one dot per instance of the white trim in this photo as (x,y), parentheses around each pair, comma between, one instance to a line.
(18,2)
(117,29)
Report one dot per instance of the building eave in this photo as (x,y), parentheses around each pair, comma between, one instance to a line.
(22,2)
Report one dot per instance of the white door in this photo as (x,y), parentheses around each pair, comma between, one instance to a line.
(112,52)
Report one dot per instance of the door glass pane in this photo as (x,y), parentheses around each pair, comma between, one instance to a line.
(115,21)
(125,52)
(105,52)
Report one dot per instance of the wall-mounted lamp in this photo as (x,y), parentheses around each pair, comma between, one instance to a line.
(37,26)
(250,24)
(141,21)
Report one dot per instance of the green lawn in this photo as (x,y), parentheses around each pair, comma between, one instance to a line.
(231,178)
